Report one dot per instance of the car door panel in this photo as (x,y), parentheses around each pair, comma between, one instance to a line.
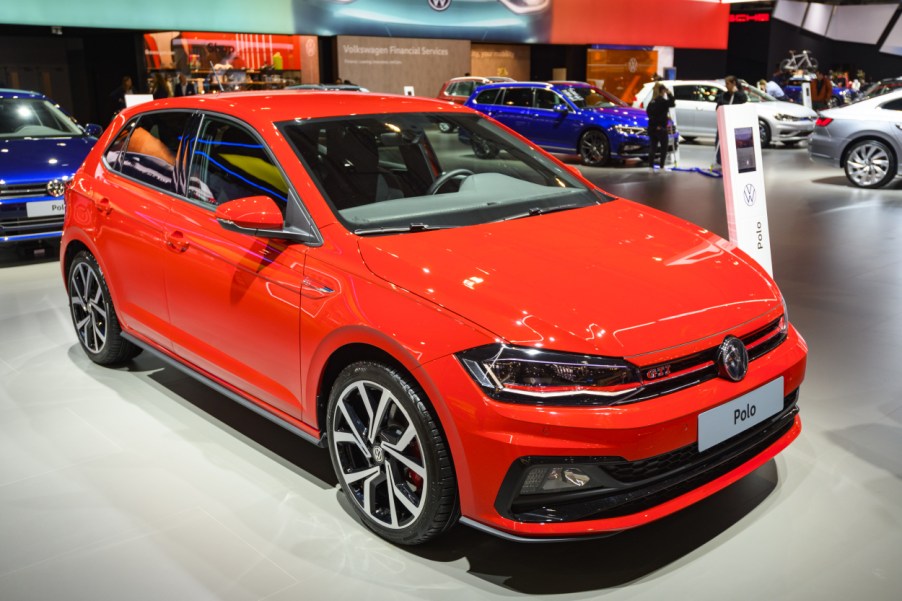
(234,299)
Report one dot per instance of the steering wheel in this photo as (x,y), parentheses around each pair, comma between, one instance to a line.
(447,177)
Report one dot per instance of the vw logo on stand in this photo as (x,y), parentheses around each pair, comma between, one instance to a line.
(749,193)
(439,5)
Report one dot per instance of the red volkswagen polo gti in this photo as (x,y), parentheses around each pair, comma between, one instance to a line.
(494,341)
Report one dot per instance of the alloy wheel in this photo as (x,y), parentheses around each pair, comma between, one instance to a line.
(593,148)
(89,309)
(380,455)
(868,164)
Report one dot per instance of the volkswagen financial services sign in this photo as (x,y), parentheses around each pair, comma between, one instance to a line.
(743,177)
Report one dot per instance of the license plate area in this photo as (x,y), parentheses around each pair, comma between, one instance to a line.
(45,208)
(726,421)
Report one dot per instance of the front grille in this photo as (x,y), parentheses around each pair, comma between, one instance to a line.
(634,486)
(34,225)
(22,190)
(700,367)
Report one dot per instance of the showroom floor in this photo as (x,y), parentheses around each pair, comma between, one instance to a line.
(138,483)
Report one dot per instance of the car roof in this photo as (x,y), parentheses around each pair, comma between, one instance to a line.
(492,78)
(272,106)
(534,84)
(11,93)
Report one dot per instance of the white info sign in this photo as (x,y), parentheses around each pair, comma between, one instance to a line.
(806,94)
(743,180)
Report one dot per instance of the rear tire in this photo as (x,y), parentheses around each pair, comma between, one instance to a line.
(93,314)
(870,164)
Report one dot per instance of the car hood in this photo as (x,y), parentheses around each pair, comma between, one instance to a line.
(30,160)
(779,107)
(624,115)
(616,279)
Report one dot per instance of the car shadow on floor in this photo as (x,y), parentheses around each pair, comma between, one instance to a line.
(843,181)
(533,568)
(602,563)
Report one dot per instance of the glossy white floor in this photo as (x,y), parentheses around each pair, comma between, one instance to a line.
(138,483)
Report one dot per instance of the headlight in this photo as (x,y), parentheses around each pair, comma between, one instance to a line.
(630,130)
(784,321)
(535,376)
(526,6)
(782,117)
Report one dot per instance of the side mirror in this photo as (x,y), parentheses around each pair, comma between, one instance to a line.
(93,130)
(254,215)
(561,108)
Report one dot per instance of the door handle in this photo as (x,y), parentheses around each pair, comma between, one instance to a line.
(177,241)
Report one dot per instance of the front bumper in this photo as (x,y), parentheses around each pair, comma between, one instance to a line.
(638,147)
(792,131)
(491,438)
(19,222)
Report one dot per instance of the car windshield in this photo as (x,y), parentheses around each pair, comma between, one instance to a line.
(756,95)
(588,97)
(405,172)
(34,118)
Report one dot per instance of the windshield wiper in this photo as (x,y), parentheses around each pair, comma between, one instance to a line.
(532,212)
(413,227)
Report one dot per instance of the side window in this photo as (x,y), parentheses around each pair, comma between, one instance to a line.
(684,93)
(465,88)
(893,105)
(452,89)
(521,97)
(546,99)
(708,93)
(114,153)
(152,148)
(488,96)
(228,163)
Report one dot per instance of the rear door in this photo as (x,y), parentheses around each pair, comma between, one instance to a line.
(133,196)
(687,101)
(234,299)
(514,109)
(706,113)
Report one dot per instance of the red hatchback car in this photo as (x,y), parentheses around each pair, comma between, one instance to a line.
(490,340)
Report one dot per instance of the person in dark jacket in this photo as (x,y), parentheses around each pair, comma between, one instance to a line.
(733,95)
(821,91)
(661,103)
(184,87)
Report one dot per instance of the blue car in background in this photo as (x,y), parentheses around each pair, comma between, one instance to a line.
(793,91)
(567,118)
(40,149)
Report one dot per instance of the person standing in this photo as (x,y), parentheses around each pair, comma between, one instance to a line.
(661,103)
(184,87)
(117,96)
(733,95)
(821,91)
(160,86)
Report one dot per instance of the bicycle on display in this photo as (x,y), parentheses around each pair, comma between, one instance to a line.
(802,60)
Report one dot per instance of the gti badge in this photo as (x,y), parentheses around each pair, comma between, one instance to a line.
(439,5)
(732,359)
(56,188)
(749,193)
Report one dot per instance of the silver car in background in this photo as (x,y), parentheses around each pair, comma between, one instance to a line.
(696,101)
(864,138)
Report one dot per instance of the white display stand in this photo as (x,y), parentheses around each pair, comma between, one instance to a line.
(806,94)
(743,178)
(135,99)
(673,157)
(408,91)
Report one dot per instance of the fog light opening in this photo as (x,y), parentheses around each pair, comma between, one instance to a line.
(551,478)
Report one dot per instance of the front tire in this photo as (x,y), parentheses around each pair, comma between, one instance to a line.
(93,314)
(483,148)
(390,455)
(870,164)
(594,149)
(764,133)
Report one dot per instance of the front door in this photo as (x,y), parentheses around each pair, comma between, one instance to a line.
(234,299)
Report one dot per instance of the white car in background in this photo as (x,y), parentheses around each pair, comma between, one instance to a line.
(696,101)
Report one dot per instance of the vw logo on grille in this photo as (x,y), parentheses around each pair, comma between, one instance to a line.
(749,193)
(439,5)
(732,359)
(56,188)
